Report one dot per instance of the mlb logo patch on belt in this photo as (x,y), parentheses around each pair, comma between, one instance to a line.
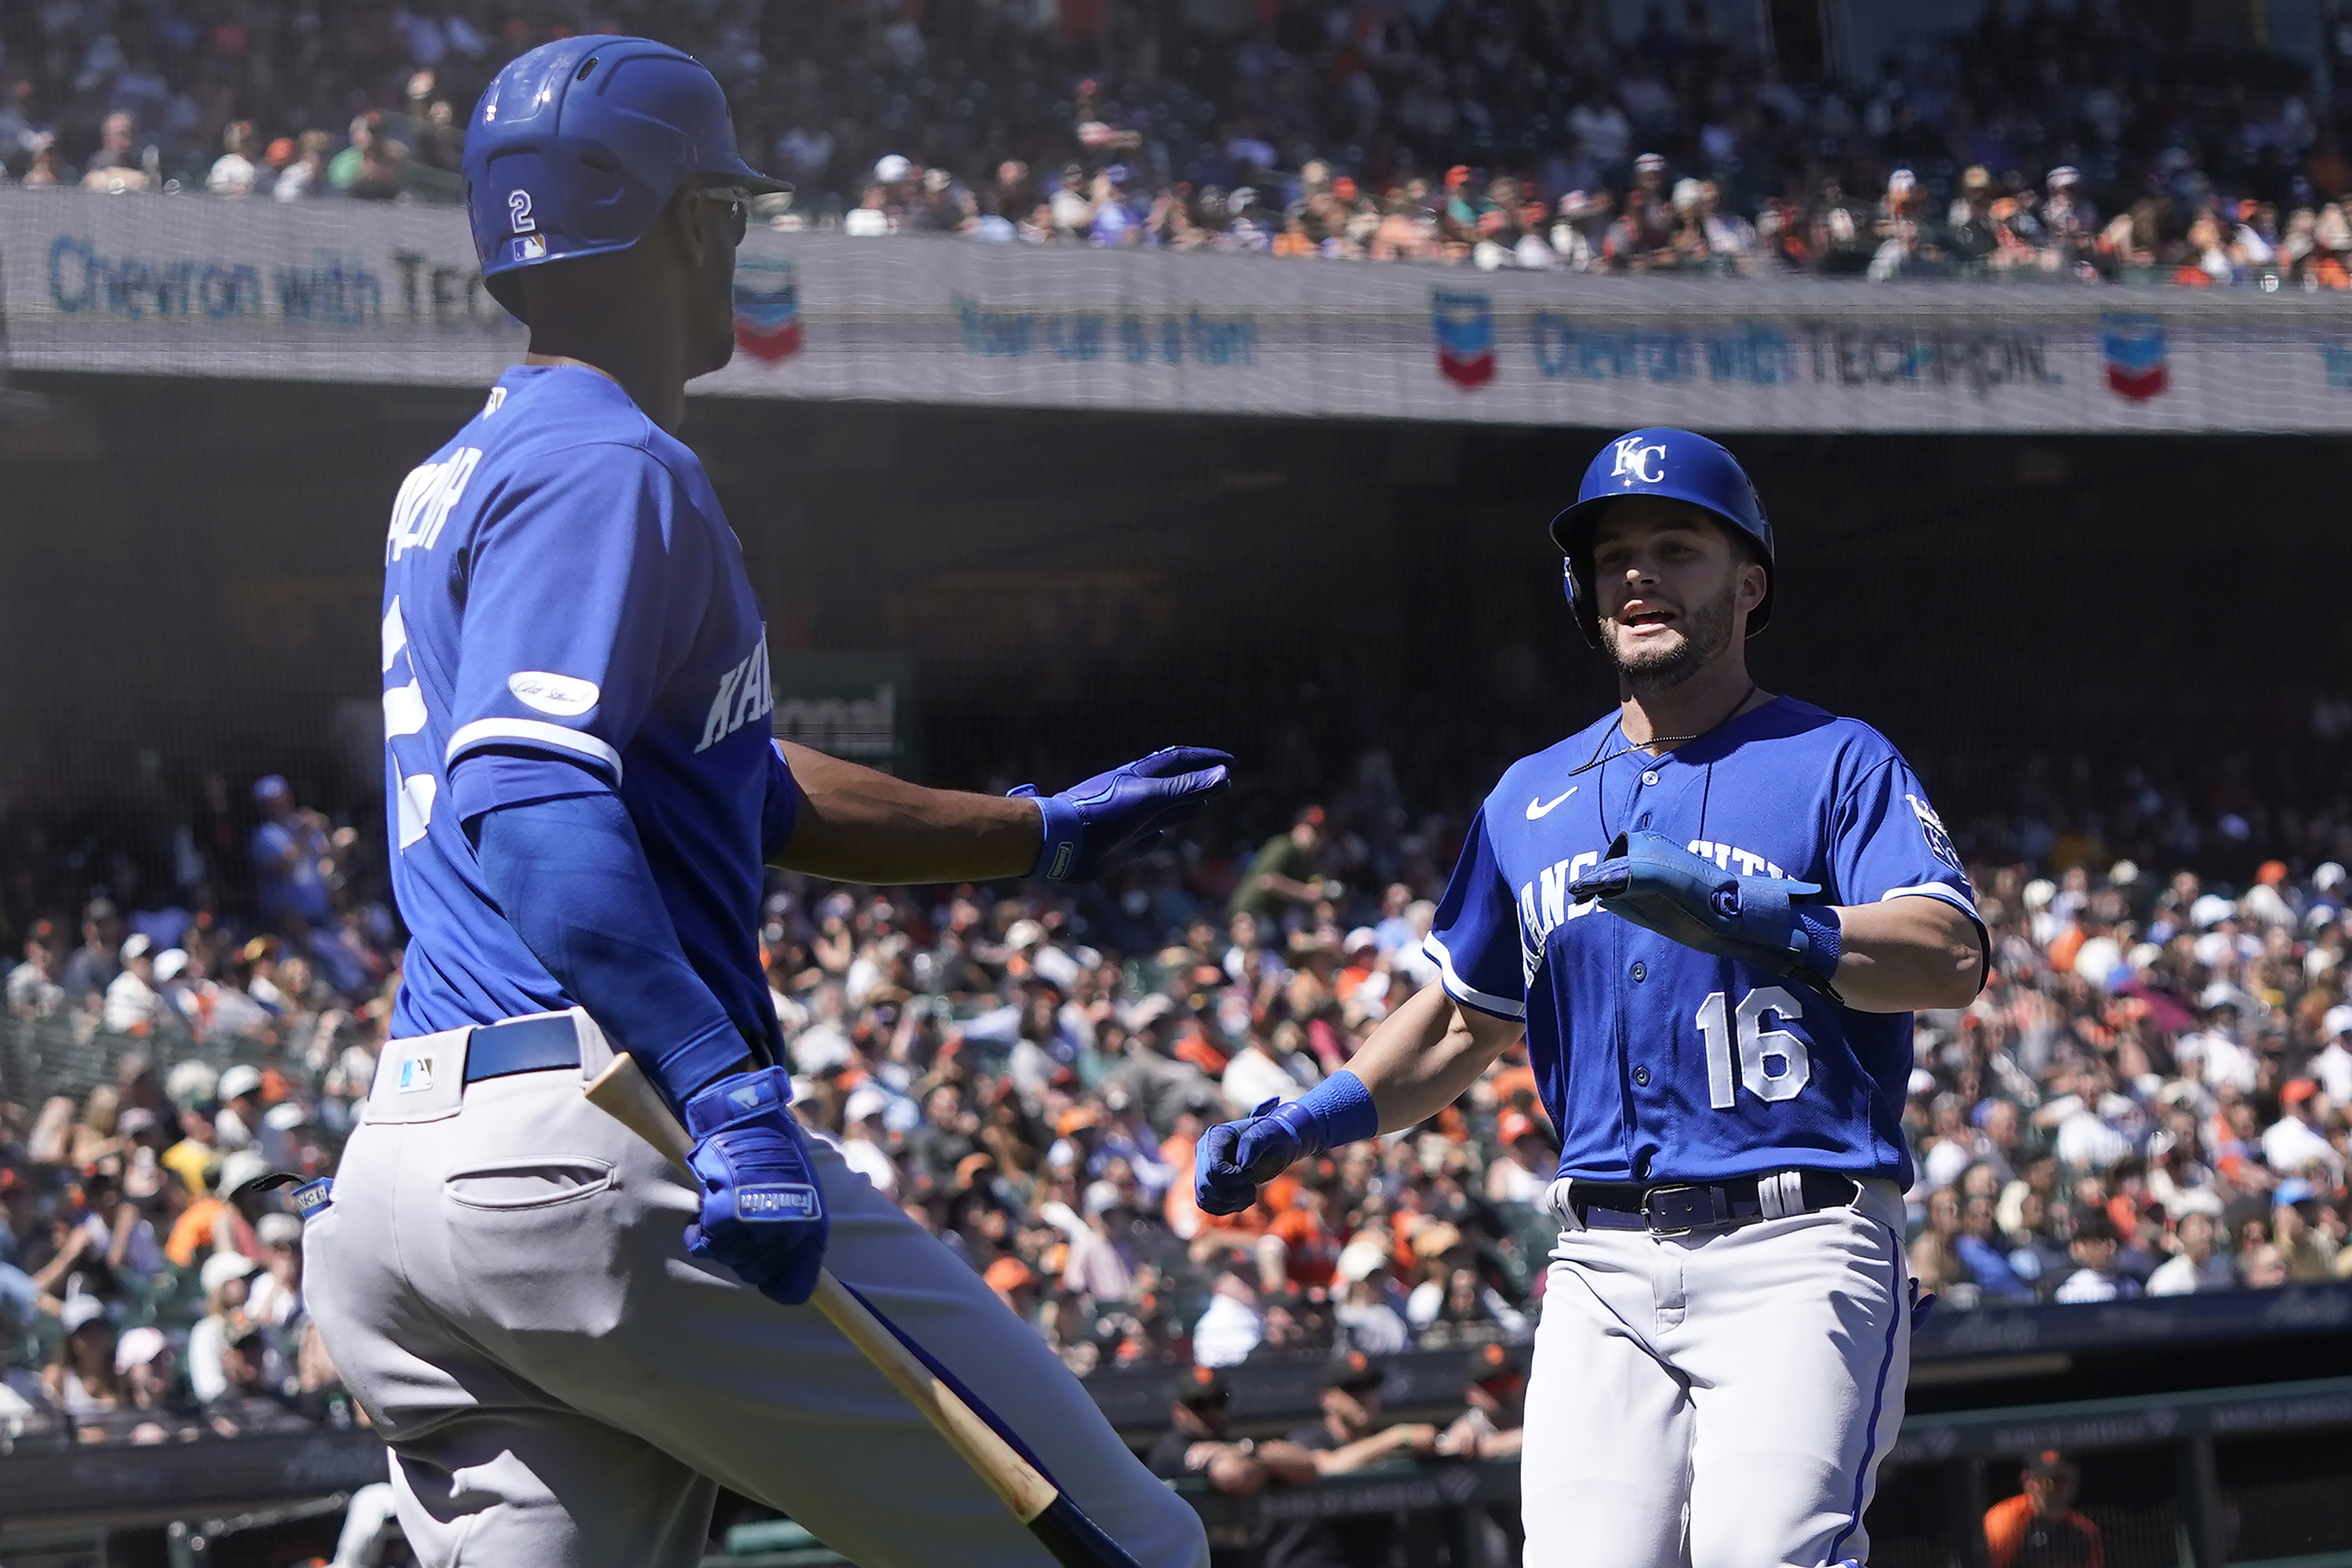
(415,1075)
(313,1197)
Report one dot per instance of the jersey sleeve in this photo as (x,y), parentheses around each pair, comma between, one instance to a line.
(1475,938)
(1887,842)
(579,600)
(781,811)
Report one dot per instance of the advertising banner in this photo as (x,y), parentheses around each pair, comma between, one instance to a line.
(341,291)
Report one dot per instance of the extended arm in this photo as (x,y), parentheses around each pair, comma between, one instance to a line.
(1421,1058)
(855,825)
(1349,1458)
(1426,1053)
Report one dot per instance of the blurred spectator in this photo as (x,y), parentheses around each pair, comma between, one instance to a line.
(1496,1395)
(2039,1528)
(2194,1264)
(133,1007)
(118,165)
(1347,1438)
(293,858)
(82,1381)
(234,173)
(1200,1410)
(33,989)
(1231,1327)
(92,966)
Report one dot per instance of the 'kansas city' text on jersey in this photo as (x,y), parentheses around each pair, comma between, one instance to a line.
(560,582)
(1658,1062)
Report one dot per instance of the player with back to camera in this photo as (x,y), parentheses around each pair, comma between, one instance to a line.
(1712,911)
(568,1346)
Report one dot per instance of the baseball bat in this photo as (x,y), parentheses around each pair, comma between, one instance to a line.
(624,1092)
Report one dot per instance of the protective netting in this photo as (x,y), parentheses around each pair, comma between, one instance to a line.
(199,286)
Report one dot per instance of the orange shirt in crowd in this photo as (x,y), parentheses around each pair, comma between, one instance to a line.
(2007,1522)
(192,1230)
(1313,1250)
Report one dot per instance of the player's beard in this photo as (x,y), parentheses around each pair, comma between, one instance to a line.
(1706,632)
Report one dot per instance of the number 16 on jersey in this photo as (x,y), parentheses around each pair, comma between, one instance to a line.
(1773,1063)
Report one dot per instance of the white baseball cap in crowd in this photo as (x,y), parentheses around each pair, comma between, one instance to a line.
(241,1079)
(1901,183)
(2210,909)
(1361,940)
(223,1267)
(285,1116)
(278,1230)
(2329,877)
(2337,1024)
(893,169)
(868,1098)
(170,963)
(190,1083)
(136,946)
(2098,959)
(78,1312)
(139,1346)
(2185,1201)
(2222,994)
(241,1169)
(2065,175)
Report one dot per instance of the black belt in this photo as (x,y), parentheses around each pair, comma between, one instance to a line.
(522,1045)
(1682,1208)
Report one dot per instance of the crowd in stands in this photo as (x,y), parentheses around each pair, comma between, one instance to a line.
(2087,141)
(2149,1097)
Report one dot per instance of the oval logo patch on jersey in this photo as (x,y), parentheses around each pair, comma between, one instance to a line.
(1932,826)
(565,696)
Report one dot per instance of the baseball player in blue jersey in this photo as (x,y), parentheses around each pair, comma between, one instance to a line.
(1712,913)
(567,1346)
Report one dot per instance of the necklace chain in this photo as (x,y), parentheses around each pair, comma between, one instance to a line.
(1669,742)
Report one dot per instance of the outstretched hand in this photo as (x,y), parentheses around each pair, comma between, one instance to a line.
(1097,825)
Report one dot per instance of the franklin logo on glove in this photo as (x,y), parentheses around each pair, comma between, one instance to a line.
(763,1214)
(798,1202)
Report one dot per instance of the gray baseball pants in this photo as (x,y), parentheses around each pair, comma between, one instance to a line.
(503,1282)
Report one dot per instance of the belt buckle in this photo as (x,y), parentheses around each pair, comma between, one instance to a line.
(1688,1221)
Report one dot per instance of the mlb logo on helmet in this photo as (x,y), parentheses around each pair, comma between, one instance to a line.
(2132,341)
(530,247)
(767,307)
(1463,325)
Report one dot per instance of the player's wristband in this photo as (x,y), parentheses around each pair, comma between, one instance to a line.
(1820,941)
(1064,831)
(1337,1110)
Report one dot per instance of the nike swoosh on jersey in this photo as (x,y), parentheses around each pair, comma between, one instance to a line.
(1538,809)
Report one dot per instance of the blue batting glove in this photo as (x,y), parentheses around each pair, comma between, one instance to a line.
(762,1211)
(1660,885)
(1234,1158)
(1112,817)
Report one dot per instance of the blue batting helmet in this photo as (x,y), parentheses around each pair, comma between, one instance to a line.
(1675,465)
(577,146)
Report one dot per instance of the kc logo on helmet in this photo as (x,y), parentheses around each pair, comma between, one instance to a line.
(1638,459)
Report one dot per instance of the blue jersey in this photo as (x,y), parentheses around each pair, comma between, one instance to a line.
(559,583)
(1657,1062)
